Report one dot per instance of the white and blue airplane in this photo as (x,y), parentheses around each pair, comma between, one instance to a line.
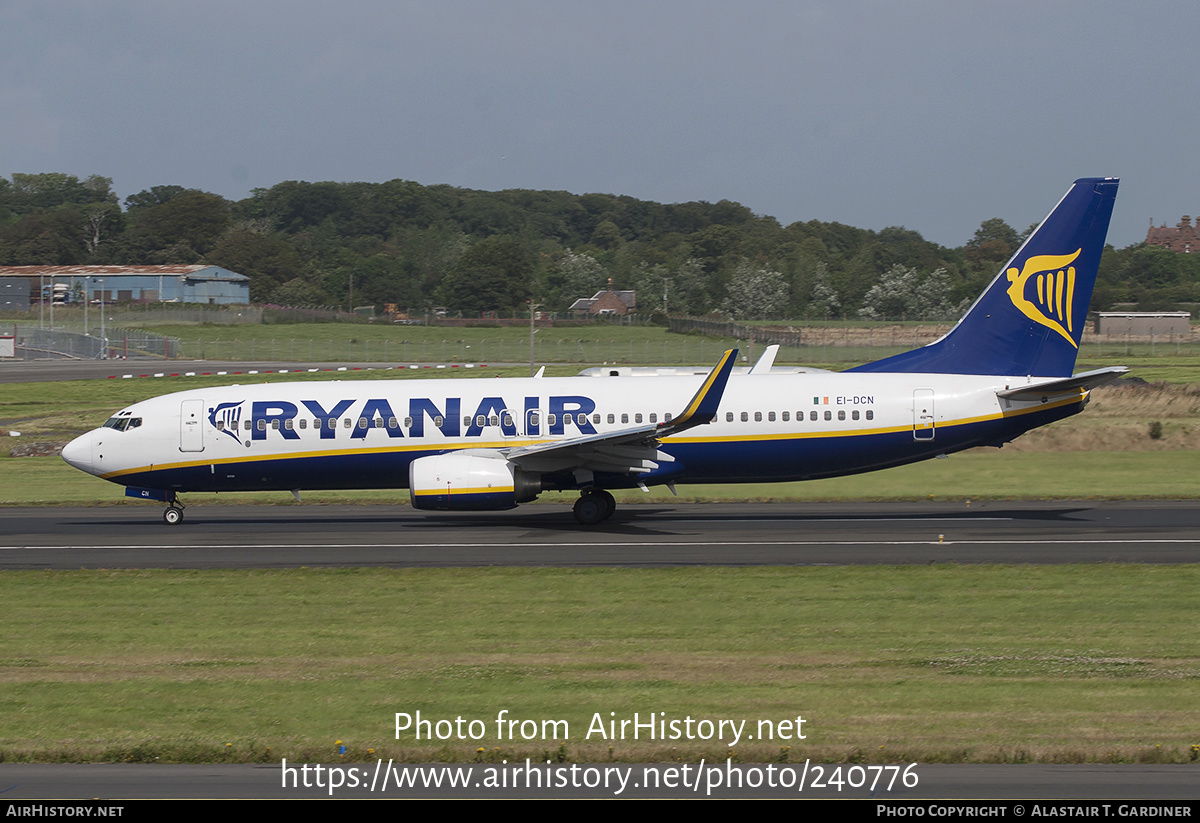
(1005,368)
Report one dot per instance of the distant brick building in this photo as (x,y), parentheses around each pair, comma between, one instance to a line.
(1183,238)
(607,302)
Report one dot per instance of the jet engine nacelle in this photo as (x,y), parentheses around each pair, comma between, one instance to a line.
(462,481)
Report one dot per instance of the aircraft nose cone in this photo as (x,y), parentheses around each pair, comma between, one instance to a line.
(78,453)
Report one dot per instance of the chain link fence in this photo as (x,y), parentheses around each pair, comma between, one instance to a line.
(33,343)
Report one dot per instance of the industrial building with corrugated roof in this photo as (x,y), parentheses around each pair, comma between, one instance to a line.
(194,283)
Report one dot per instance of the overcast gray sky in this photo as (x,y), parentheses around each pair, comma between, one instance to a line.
(931,114)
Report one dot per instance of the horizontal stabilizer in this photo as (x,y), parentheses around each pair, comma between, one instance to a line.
(1085,380)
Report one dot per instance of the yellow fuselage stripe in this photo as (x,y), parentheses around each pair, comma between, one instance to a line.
(508,444)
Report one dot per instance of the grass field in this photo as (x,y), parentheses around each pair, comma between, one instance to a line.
(834,344)
(944,663)
(885,664)
(1075,458)
(978,475)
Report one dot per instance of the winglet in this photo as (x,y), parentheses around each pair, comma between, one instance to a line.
(703,406)
(763,366)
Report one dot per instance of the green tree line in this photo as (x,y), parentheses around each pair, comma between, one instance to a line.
(337,244)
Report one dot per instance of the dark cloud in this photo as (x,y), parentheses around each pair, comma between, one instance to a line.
(935,115)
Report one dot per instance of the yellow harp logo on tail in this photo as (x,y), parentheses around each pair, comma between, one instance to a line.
(1054,291)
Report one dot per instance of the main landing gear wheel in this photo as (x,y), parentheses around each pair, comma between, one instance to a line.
(610,503)
(172,515)
(594,507)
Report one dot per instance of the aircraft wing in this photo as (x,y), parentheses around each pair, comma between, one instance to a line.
(1066,385)
(628,451)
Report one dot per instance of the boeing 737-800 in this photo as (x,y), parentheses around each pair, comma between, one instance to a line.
(1005,368)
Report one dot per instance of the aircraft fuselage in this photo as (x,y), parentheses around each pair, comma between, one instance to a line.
(349,435)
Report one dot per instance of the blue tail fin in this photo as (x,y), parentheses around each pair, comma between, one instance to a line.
(1030,319)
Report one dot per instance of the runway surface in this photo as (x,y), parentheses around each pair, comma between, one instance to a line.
(213,536)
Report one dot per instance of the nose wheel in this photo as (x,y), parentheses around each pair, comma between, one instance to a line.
(173,515)
(594,506)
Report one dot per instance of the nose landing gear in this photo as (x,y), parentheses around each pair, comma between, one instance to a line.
(173,514)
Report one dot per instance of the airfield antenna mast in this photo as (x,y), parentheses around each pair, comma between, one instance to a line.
(532,331)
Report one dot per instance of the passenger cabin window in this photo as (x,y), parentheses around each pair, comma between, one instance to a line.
(612,418)
(728,417)
(637,417)
(870,414)
(304,422)
(745,417)
(841,415)
(828,415)
(625,418)
(653,417)
(813,415)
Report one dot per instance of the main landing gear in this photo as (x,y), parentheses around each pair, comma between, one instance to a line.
(594,506)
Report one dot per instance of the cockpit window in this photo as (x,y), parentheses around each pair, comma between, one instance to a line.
(123,423)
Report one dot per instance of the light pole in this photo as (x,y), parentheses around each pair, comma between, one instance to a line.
(103,334)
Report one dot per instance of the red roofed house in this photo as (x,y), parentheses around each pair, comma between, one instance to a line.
(1182,238)
(607,302)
